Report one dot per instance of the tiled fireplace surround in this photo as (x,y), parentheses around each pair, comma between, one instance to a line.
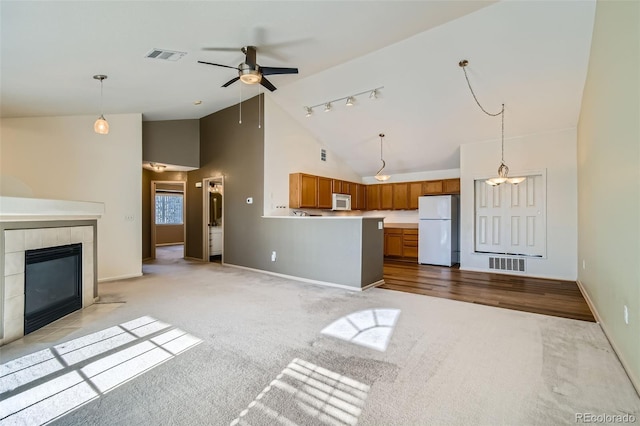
(16,242)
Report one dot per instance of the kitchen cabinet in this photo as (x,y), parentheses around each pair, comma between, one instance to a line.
(373,197)
(346,187)
(308,191)
(400,196)
(386,196)
(357,192)
(401,243)
(415,191)
(451,186)
(432,187)
(393,242)
(303,191)
(362,196)
(324,193)
(410,243)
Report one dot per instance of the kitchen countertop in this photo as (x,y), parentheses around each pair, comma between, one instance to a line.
(325,217)
(401,225)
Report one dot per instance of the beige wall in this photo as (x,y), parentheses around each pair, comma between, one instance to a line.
(169,234)
(552,152)
(609,178)
(62,158)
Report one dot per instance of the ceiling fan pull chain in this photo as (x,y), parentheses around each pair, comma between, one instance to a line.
(240,120)
(259,110)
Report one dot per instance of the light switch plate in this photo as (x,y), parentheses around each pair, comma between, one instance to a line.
(380,225)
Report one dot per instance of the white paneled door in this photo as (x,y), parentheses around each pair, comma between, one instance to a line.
(511,219)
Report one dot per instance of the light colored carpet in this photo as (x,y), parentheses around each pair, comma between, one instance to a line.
(264,359)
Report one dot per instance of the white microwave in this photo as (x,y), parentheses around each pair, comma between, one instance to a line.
(341,202)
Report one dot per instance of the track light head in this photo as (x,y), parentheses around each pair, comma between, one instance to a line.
(309,111)
(327,107)
(350,101)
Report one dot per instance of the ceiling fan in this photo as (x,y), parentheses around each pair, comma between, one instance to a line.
(249,72)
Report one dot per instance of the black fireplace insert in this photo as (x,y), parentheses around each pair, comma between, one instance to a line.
(53,284)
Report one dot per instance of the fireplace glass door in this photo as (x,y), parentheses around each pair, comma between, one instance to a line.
(53,284)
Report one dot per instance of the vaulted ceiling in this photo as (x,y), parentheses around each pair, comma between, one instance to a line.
(530,55)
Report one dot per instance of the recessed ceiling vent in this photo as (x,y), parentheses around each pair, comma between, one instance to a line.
(164,54)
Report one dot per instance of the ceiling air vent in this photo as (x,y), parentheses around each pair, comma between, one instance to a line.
(164,54)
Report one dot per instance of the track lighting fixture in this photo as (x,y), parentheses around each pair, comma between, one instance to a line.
(101,126)
(379,176)
(350,101)
(503,170)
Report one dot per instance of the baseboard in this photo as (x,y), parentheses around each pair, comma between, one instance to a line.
(195,259)
(594,311)
(307,280)
(121,277)
(510,273)
(635,381)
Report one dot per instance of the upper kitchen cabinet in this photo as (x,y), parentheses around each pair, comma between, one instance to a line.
(324,193)
(308,191)
(415,191)
(303,191)
(386,196)
(400,196)
(451,186)
(432,187)
(358,196)
(373,197)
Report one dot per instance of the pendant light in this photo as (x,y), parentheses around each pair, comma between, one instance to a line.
(503,170)
(101,125)
(378,176)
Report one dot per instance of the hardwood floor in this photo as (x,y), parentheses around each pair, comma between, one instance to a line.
(537,295)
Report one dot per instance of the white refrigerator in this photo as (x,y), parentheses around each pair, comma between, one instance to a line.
(438,242)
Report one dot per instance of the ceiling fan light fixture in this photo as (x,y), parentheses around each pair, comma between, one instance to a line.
(157,167)
(249,76)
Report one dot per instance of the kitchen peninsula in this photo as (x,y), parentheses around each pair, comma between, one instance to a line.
(338,251)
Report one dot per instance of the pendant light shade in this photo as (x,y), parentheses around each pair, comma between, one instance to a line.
(379,176)
(101,126)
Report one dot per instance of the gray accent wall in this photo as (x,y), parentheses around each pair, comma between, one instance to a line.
(347,252)
(235,151)
(174,142)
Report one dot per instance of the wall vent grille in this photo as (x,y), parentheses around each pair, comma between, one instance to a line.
(507,264)
(164,54)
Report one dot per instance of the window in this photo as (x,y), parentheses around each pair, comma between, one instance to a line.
(511,219)
(169,209)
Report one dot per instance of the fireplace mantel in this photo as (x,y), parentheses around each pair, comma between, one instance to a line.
(14,209)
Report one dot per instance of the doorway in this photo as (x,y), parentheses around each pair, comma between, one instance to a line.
(213,223)
(167,216)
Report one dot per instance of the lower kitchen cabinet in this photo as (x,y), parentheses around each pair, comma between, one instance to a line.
(401,243)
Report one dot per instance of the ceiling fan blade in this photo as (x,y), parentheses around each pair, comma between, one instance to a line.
(220,49)
(267,84)
(218,65)
(250,55)
(230,82)
(275,70)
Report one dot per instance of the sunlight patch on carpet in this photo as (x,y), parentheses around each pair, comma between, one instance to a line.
(371,328)
(45,385)
(305,393)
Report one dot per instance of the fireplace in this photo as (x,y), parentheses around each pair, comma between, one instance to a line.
(53,284)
